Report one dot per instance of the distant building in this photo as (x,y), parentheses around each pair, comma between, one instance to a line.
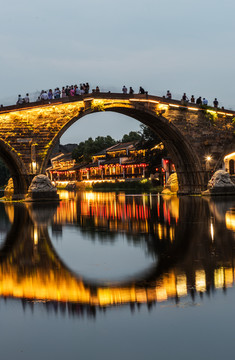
(120,161)
(229,163)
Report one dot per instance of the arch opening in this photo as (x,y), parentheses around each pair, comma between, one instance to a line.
(16,169)
(188,167)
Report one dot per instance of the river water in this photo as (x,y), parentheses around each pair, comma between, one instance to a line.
(117,276)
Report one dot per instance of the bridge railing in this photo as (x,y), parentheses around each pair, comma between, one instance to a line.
(173,104)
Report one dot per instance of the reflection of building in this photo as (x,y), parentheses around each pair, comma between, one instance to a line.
(120,213)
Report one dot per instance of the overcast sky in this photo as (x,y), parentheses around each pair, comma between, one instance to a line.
(184,46)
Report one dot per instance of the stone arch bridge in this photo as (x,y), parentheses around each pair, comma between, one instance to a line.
(28,133)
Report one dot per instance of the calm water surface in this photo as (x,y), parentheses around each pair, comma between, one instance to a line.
(110,276)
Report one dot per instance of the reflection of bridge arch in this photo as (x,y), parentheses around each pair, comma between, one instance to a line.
(30,268)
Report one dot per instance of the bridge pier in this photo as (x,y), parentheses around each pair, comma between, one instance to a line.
(192,182)
(21,185)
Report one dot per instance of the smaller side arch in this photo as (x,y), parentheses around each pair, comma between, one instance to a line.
(21,178)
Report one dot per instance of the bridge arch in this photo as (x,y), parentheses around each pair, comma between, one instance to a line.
(16,167)
(188,167)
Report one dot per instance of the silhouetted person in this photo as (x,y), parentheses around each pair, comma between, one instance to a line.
(168,94)
(199,100)
(124,90)
(204,101)
(192,99)
(20,100)
(184,98)
(131,91)
(216,103)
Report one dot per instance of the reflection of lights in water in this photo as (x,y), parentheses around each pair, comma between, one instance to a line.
(181,285)
(200,280)
(230,220)
(9,208)
(161,294)
(212,231)
(35,236)
(229,278)
(219,277)
(160,232)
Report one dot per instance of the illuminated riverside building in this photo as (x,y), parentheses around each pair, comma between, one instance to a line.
(229,163)
(118,162)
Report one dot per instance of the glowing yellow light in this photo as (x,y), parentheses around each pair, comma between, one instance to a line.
(228,277)
(208,158)
(173,105)
(88,99)
(35,236)
(212,112)
(230,220)
(145,100)
(200,280)
(194,109)
(181,285)
(34,166)
(219,278)
(229,156)
(212,231)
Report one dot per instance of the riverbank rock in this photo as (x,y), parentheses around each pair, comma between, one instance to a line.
(171,185)
(41,189)
(220,184)
(9,189)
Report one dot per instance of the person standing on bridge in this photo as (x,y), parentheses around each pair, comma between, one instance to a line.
(131,91)
(216,103)
(20,100)
(44,95)
(204,101)
(50,94)
(63,93)
(199,100)
(184,99)
(192,99)
(26,99)
(124,90)
(168,94)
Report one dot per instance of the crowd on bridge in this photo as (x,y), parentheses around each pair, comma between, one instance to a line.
(75,90)
(199,101)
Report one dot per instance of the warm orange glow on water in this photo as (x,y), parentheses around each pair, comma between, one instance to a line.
(44,276)
(230,220)
(63,287)
(116,211)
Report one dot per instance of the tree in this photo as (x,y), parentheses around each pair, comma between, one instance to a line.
(132,136)
(155,149)
(85,149)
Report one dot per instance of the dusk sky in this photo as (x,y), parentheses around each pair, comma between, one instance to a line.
(184,46)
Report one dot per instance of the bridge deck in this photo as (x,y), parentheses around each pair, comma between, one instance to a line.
(109,95)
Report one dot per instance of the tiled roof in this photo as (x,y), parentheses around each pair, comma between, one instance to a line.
(62,157)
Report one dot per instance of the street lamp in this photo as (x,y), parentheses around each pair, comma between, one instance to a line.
(208,160)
